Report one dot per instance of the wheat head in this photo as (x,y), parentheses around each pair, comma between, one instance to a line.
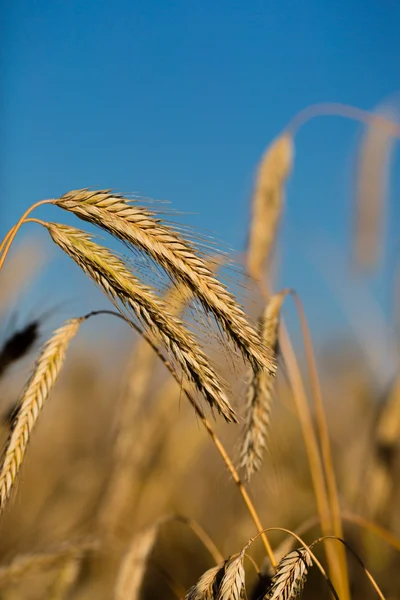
(267,203)
(290,576)
(36,393)
(259,393)
(140,228)
(112,275)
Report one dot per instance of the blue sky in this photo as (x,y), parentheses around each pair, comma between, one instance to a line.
(177,100)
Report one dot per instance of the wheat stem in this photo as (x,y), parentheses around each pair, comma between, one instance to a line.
(9,238)
(217,443)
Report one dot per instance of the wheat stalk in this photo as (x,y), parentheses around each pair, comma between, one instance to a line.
(36,393)
(259,392)
(140,228)
(290,576)
(112,275)
(267,203)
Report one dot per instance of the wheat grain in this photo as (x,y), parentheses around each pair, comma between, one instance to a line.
(290,576)
(259,393)
(232,583)
(206,588)
(267,203)
(112,275)
(36,393)
(140,228)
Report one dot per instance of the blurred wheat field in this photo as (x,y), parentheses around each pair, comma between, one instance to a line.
(181,467)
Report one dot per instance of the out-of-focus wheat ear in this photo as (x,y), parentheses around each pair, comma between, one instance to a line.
(206,588)
(259,392)
(381,471)
(267,203)
(66,578)
(113,276)
(133,566)
(17,345)
(27,564)
(140,228)
(371,188)
(290,576)
(233,581)
(45,374)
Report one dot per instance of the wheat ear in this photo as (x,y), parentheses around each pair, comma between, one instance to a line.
(259,392)
(36,393)
(267,203)
(290,576)
(29,563)
(206,588)
(140,228)
(112,275)
(133,566)
(233,581)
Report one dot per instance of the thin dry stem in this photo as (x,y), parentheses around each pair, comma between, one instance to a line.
(314,458)
(322,427)
(218,444)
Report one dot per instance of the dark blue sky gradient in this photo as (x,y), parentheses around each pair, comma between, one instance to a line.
(177,100)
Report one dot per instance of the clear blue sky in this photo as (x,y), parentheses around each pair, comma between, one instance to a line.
(177,100)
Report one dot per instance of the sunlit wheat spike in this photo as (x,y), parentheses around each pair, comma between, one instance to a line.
(290,576)
(259,393)
(267,203)
(36,393)
(371,189)
(206,588)
(113,276)
(233,582)
(140,228)
(133,567)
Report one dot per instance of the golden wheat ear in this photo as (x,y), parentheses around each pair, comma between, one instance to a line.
(141,229)
(133,566)
(290,577)
(36,393)
(267,203)
(116,280)
(259,392)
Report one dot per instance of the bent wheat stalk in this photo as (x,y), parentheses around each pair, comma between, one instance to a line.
(112,275)
(140,228)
